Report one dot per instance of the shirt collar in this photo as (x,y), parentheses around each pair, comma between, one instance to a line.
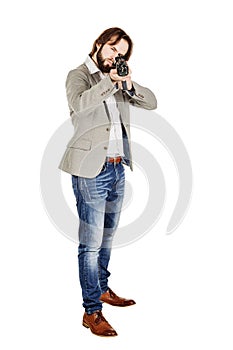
(92,67)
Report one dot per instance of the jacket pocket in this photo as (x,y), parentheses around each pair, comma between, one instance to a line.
(82,144)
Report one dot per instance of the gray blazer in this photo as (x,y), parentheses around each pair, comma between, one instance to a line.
(86,152)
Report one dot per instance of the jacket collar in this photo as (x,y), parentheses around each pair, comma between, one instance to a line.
(92,67)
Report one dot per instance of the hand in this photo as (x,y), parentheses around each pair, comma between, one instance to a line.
(117,79)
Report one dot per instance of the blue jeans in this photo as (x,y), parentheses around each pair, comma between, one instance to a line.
(99,201)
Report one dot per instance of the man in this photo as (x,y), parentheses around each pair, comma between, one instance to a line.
(99,107)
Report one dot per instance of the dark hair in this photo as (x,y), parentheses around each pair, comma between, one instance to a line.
(107,36)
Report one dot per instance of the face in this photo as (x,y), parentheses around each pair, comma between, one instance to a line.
(105,56)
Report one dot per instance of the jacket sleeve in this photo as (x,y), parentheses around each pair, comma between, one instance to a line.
(81,95)
(143,97)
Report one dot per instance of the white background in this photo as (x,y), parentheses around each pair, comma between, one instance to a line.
(183,282)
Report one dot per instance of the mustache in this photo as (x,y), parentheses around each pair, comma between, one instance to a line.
(110,60)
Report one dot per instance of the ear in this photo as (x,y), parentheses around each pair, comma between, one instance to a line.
(98,46)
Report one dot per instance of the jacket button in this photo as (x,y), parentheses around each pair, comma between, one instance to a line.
(105,147)
(107,129)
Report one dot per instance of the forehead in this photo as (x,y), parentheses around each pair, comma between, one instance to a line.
(121,46)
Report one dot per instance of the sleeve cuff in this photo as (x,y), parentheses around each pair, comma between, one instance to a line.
(131,92)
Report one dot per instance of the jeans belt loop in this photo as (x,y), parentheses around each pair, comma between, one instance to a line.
(114,160)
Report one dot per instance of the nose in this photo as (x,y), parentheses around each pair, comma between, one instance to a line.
(114,55)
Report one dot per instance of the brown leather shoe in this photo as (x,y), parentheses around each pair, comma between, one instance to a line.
(111,298)
(98,324)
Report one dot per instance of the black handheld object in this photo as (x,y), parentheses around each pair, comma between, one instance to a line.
(122,68)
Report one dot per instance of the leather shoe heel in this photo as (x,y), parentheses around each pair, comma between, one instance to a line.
(85,325)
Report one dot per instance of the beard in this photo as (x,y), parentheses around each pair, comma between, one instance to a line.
(105,68)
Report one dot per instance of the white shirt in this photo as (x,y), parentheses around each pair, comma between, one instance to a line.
(115,146)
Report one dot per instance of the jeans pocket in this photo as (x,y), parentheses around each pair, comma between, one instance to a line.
(75,184)
(103,168)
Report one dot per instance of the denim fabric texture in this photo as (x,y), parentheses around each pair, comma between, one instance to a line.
(99,202)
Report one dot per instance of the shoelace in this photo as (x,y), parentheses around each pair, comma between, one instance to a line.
(100,317)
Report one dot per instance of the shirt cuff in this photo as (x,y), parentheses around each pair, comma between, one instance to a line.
(131,91)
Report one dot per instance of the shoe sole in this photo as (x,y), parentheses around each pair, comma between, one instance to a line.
(117,305)
(99,335)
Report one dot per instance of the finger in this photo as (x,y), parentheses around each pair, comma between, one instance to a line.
(113,71)
(126,77)
(120,85)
